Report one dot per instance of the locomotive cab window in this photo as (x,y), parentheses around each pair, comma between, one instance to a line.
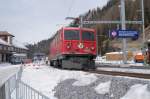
(71,35)
(87,35)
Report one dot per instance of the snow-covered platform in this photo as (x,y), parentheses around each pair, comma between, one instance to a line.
(70,84)
(100,61)
(5,64)
(7,71)
(119,66)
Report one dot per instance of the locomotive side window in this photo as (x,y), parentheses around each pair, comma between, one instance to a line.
(87,35)
(71,35)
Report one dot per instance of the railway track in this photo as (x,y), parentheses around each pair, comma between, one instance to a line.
(119,73)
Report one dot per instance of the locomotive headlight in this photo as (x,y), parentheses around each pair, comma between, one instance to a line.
(92,48)
(68,45)
(81,46)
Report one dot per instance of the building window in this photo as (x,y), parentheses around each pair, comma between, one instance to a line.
(1,47)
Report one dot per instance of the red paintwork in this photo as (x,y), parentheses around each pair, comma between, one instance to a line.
(58,45)
(148,56)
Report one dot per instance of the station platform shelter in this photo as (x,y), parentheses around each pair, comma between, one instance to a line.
(7,47)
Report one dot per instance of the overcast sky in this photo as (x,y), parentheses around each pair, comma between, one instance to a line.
(34,20)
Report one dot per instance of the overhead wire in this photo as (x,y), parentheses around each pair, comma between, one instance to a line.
(70,7)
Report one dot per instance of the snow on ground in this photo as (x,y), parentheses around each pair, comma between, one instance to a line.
(112,63)
(103,88)
(45,78)
(5,64)
(84,80)
(137,91)
(103,61)
(7,71)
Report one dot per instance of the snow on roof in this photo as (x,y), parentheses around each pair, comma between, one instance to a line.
(4,42)
(21,54)
(19,45)
(140,53)
(114,53)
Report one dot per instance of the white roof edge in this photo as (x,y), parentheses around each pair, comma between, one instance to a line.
(4,42)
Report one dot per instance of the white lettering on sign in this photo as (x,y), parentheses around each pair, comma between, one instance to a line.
(127,33)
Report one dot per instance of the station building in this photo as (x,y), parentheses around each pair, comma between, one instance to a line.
(8,47)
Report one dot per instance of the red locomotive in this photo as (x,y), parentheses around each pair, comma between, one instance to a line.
(73,48)
(147,56)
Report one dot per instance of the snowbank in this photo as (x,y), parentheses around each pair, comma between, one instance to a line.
(137,91)
(103,88)
(45,78)
(84,80)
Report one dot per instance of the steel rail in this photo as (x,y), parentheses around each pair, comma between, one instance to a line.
(119,73)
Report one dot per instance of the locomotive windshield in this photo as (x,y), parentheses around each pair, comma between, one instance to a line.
(87,35)
(71,35)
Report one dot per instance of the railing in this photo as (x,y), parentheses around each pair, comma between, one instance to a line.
(14,88)
(8,80)
(27,92)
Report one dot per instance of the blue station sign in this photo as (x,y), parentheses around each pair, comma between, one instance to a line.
(125,34)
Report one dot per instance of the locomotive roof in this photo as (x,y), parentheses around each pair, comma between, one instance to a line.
(78,28)
(73,28)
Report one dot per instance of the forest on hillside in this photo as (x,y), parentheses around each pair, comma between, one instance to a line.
(109,12)
(112,12)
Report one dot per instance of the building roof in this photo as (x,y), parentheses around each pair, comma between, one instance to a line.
(19,45)
(39,54)
(6,33)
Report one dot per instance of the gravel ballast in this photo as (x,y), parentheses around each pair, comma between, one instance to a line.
(118,88)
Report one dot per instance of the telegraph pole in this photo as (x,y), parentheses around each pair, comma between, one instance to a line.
(123,25)
(143,26)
